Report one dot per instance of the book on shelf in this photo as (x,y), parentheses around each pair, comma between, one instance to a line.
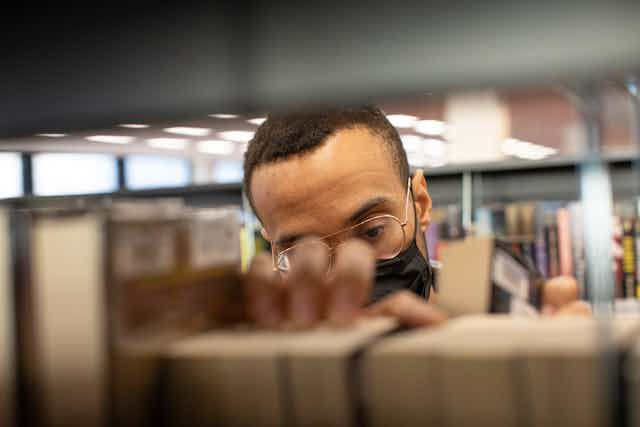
(473,370)
(629,257)
(8,397)
(101,290)
(485,275)
(248,377)
(547,234)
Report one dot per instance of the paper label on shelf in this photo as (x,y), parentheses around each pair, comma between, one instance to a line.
(509,275)
(522,308)
(215,240)
(144,249)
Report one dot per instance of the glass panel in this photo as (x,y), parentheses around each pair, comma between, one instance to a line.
(460,129)
(10,175)
(62,174)
(227,171)
(157,172)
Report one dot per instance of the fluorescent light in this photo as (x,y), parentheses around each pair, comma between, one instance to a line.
(111,139)
(415,159)
(52,135)
(435,163)
(223,148)
(257,121)
(224,116)
(435,148)
(526,150)
(237,135)
(430,127)
(401,120)
(168,143)
(133,126)
(411,143)
(187,130)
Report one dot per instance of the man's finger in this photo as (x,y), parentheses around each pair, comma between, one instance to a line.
(409,309)
(575,308)
(560,291)
(265,292)
(350,281)
(305,282)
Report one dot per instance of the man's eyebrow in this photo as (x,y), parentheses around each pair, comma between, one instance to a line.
(365,208)
(288,239)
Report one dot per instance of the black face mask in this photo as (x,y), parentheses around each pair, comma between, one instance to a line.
(408,270)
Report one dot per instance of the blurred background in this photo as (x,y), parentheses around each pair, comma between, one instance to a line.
(502,102)
(524,115)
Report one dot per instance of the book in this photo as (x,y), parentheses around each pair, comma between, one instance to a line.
(637,253)
(577,247)
(551,232)
(495,370)
(565,253)
(482,275)
(7,361)
(99,284)
(247,377)
(629,257)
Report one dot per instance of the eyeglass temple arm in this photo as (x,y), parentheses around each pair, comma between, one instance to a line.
(406,203)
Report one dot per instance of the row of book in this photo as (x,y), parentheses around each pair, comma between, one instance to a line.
(475,370)
(132,313)
(81,288)
(549,234)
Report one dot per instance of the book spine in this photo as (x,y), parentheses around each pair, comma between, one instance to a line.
(541,258)
(577,245)
(629,258)
(637,249)
(564,242)
(432,236)
(7,362)
(617,257)
(551,230)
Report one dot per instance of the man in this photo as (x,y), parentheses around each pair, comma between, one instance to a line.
(346,221)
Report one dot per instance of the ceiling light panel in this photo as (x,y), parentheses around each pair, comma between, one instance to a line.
(223,148)
(237,135)
(257,121)
(133,126)
(111,139)
(430,127)
(224,116)
(401,120)
(168,143)
(52,135)
(188,130)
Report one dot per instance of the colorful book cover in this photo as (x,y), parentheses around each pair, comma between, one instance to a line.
(551,231)
(540,244)
(577,246)
(637,248)
(564,242)
(432,236)
(629,257)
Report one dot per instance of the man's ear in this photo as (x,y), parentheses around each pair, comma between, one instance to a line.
(421,199)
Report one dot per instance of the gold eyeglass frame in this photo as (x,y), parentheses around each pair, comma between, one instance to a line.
(322,239)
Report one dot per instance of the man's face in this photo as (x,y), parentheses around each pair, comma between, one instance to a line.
(350,178)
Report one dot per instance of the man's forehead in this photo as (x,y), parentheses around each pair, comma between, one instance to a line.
(347,167)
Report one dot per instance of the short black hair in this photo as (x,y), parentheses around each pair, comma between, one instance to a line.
(287,134)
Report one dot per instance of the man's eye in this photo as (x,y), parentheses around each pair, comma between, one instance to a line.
(373,233)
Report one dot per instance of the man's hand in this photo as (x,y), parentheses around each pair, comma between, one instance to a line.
(560,297)
(307,295)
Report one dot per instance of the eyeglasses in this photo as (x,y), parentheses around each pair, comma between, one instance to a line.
(385,233)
